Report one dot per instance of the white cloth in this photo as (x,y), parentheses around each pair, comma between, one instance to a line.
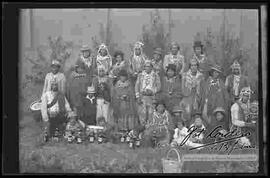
(235,116)
(236,80)
(102,109)
(148,80)
(47,98)
(179,136)
(105,62)
(199,137)
(91,99)
(59,78)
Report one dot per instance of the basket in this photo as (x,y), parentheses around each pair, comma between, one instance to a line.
(172,165)
(35,108)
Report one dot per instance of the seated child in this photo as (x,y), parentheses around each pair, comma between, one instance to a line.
(74,128)
(198,135)
(180,133)
(108,130)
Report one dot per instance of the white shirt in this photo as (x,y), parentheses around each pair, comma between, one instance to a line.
(179,135)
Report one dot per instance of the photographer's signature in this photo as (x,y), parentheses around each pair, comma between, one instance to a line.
(227,142)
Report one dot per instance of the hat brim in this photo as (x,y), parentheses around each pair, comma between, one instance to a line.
(216,69)
(175,111)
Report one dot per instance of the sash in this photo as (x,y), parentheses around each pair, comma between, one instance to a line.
(61,101)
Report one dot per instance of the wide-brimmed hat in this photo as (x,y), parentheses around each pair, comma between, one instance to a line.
(177,108)
(56,63)
(216,68)
(91,89)
(148,63)
(85,48)
(158,51)
(196,113)
(197,44)
(219,109)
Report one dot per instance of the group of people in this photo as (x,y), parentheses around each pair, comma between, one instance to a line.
(161,97)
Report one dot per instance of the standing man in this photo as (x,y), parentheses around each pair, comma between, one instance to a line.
(147,85)
(55,75)
(54,109)
(136,62)
(88,60)
(174,57)
(240,111)
(235,82)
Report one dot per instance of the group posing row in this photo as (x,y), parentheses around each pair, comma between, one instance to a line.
(143,95)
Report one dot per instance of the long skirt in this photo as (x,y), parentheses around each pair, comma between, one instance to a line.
(145,109)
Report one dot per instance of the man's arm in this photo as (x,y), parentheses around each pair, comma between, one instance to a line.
(44,112)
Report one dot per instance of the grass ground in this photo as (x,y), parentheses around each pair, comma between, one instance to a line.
(37,157)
